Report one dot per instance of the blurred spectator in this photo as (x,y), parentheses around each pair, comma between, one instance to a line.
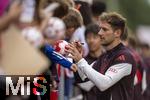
(62,10)
(93,41)
(27,14)
(85,11)
(32,32)
(45,29)
(38,24)
(145,49)
(54,31)
(131,43)
(139,71)
(95,50)
(71,3)
(75,28)
(73,21)
(3,6)
(98,7)
(6,19)
(12,15)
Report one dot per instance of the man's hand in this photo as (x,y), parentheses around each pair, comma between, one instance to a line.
(15,10)
(13,15)
(74,67)
(76,53)
(78,45)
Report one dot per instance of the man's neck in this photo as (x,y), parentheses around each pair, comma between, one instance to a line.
(96,54)
(112,45)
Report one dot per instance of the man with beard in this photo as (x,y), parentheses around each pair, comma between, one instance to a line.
(113,73)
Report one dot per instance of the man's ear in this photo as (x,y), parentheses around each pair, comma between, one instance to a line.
(117,33)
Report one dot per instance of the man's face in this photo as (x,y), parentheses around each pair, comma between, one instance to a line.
(69,32)
(106,33)
(93,41)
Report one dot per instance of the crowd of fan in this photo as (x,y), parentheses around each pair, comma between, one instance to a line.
(46,21)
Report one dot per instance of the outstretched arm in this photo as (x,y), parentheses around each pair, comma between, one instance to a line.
(12,15)
(58,58)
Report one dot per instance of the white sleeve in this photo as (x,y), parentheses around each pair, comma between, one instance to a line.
(144,84)
(112,75)
(81,74)
(87,86)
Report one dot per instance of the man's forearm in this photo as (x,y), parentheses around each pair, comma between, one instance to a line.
(97,78)
(5,21)
(87,86)
(103,82)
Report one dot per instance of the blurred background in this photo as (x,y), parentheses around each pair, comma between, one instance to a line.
(137,14)
(27,26)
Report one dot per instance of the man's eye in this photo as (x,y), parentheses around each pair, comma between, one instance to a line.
(104,29)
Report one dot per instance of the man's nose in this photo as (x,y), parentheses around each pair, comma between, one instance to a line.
(100,32)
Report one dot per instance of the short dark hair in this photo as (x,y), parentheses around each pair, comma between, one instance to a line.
(92,28)
(98,7)
(116,21)
(62,10)
(85,11)
(124,37)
